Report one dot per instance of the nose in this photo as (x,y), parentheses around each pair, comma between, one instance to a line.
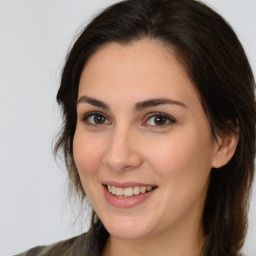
(122,153)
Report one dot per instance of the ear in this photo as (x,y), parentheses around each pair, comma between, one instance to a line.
(224,150)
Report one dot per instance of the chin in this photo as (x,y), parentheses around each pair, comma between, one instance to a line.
(128,229)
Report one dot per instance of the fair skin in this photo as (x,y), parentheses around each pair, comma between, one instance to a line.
(172,149)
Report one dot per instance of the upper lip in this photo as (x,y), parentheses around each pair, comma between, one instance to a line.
(127,184)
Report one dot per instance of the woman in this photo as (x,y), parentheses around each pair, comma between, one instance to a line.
(159,131)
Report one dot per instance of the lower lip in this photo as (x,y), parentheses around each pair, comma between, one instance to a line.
(126,202)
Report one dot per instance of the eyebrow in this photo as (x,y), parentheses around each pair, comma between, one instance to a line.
(93,102)
(155,102)
(138,106)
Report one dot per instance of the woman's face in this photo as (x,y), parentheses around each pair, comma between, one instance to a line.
(142,132)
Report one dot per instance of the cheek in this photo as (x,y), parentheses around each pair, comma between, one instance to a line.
(183,166)
(183,156)
(87,154)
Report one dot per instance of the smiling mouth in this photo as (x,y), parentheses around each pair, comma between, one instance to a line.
(129,191)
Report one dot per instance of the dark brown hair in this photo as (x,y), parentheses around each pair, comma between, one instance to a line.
(215,61)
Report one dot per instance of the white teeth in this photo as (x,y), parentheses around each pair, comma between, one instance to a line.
(143,189)
(119,191)
(136,191)
(130,191)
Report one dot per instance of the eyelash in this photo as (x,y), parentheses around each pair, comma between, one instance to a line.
(170,120)
(88,115)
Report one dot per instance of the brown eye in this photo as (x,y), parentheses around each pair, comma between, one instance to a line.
(95,119)
(160,120)
(99,119)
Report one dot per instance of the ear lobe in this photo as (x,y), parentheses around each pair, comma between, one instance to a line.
(225,149)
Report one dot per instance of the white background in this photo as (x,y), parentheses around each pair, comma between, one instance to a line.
(34,38)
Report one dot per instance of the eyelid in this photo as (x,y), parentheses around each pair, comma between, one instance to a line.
(85,117)
(169,118)
(154,114)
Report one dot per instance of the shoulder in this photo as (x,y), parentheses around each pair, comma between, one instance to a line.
(72,246)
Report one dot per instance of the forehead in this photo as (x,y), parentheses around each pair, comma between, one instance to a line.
(138,57)
(140,68)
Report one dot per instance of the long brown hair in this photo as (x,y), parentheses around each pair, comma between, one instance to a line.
(215,61)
